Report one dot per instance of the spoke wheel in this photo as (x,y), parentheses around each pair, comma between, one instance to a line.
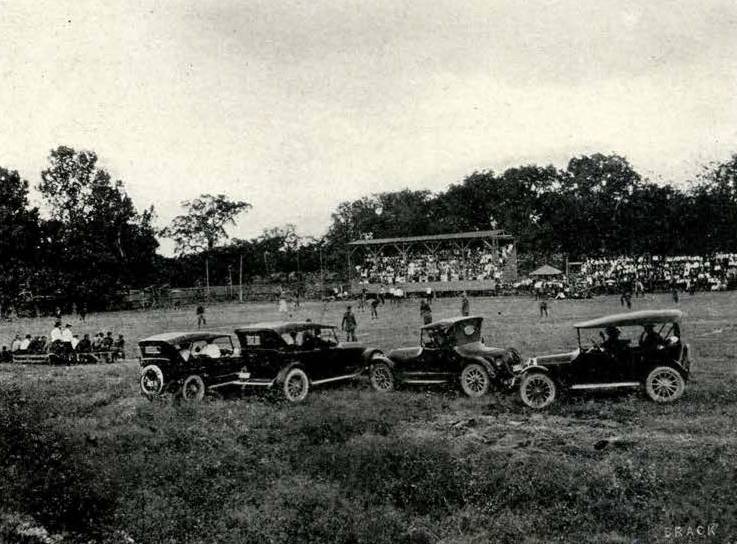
(382,378)
(537,390)
(152,381)
(475,380)
(664,384)
(193,388)
(296,385)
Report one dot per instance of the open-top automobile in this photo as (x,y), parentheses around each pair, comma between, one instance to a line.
(642,349)
(450,351)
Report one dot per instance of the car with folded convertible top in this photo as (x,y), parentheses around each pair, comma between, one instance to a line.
(290,357)
(451,351)
(634,350)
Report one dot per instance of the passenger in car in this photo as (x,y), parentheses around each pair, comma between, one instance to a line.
(650,339)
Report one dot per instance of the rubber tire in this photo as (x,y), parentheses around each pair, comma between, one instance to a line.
(475,367)
(382,367)
(159,376)
(527,378)
(678,379)
(294,373)
(193,378)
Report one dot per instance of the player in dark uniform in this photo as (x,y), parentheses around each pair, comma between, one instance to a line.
(349,325)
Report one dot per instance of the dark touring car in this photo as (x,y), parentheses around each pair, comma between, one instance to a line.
(450,351)
(657,361)
(292,357)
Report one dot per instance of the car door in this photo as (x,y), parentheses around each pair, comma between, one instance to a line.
(433,361)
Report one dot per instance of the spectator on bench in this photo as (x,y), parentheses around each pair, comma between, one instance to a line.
(119,346)
(25,343)
(15,346)
(85,345)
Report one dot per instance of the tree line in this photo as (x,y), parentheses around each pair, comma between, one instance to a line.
(93,244)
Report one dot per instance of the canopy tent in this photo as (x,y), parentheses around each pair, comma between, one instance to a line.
(546,270)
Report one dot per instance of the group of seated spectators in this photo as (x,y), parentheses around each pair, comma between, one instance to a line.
(655,273)
(448,264)
(64,342)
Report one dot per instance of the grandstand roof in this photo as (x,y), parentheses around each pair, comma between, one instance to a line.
(434,238)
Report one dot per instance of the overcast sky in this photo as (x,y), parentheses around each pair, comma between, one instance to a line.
(295,106)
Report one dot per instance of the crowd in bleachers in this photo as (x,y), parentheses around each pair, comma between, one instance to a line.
(65,343)
(448,264)
(656,273)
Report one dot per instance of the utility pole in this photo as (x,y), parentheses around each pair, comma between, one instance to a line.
(240,280)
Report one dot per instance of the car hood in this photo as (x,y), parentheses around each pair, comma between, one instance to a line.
(479,349)
(554,359)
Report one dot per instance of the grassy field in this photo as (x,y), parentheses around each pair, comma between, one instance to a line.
(84,458)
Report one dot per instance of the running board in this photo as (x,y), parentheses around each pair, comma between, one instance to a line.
(424,382)
(328,380)
(605,385)
(244,383)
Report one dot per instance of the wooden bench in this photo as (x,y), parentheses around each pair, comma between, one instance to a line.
(87,358)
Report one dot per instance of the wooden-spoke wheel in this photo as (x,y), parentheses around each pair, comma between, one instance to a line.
(537,390)
(382,377)
(475,380)
(664,384)
(296,385)
(193,388)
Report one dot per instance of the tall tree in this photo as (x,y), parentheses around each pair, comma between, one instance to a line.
(99,243)
(19,234)
(202,226)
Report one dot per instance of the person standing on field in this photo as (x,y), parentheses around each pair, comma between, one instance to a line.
(349,325)
(374,305)
(425,311)
(200,316)
(465,305)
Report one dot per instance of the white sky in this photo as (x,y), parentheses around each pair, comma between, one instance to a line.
(295,106)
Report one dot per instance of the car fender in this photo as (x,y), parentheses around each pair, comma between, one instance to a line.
(282,375)
(370,353)
(483,362)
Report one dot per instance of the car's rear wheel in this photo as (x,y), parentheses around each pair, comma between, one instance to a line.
(382,377)
(475,380)
(538,390)
(664,384)
(152,381)
(193,388)
(296,385)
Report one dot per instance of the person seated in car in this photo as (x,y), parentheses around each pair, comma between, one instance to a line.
(650,339)
(613,344)
(308,339)
(211,350)
(184,351)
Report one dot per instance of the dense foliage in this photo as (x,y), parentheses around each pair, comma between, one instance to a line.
(95,242)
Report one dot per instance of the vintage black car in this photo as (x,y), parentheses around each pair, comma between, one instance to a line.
(291,357)
(187,364)
(622,351)
(450,351)
(295,356)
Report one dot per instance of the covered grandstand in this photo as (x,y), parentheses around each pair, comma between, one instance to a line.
(480,261)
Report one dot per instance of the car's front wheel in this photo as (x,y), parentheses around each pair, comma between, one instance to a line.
(538,390)
(193,388)
(296,385)
(475,380)
(664,384)
(382,377)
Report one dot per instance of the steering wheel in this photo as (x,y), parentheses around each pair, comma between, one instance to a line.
(595,346)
